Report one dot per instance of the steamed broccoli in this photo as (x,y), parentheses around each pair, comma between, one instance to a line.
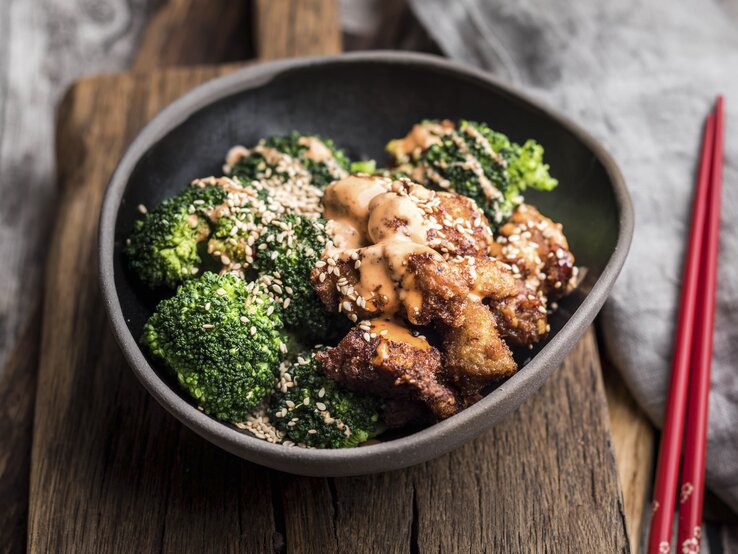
(525,166)
(162,247)
(368,167)
(323,162)
(477,162)
(285,254)
(316,412)
(221,337)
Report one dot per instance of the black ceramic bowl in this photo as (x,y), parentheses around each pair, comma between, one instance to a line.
(361,101)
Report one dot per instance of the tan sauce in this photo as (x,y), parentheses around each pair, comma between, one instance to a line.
(381,230)
(316,149)
(388,331)
(346,202)
(420,137)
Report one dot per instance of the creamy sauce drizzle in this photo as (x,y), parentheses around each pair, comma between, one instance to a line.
(377,223)
(316,149)
(421,136)
(393,331)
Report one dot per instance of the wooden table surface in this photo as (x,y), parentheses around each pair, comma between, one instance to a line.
(112,469)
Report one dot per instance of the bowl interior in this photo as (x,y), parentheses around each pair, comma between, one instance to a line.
(362,104)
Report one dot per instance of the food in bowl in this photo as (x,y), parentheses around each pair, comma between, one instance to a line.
(320,302)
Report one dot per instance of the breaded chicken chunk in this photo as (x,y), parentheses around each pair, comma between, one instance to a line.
(461,227)
(519,314)
(474,353)
(383,358)
(537,250)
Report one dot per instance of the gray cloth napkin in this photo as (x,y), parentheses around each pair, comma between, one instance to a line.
(640,76)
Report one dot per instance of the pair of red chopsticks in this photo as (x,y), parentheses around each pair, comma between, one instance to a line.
(690,371)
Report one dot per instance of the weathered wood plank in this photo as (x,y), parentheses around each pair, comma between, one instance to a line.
(542,481)
(111,470)
(544,477)
(188,32)
(288,28)
(633,443)
(97,435)
(17,383)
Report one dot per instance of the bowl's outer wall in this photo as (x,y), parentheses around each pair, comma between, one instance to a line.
(362,103)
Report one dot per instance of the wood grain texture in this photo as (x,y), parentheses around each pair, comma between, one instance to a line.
(17,383)
(288,28)
(111,471)
(191,32)
(633,443)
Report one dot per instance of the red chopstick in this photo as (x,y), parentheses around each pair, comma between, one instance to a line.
(695,442)
(667,472)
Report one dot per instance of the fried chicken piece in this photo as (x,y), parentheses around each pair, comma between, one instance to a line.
(464,229)
(442,287)
(394,364)
(474,353)
(538,251)
(520,315)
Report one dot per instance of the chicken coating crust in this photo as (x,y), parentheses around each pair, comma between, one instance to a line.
(537,250)
(464,229)
(520,315)
(392,369)
(474,352)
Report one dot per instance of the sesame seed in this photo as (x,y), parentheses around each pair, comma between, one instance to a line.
(320,406)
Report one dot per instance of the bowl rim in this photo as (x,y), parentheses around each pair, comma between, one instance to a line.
(411,449)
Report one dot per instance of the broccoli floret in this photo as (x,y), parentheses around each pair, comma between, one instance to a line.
(162,247)
(286,252)
(525,167)
(323,161)
(368,167)
(234,246)
(316,412)
(477,162)
(221,337)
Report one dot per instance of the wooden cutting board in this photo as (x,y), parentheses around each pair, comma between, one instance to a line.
(112,471)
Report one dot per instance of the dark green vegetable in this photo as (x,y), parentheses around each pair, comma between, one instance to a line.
(221,338)
(285,254)
(163,246)
(317,412)
(480,163)
(322,169)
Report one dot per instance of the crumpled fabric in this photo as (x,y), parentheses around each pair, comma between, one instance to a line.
(640,77)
